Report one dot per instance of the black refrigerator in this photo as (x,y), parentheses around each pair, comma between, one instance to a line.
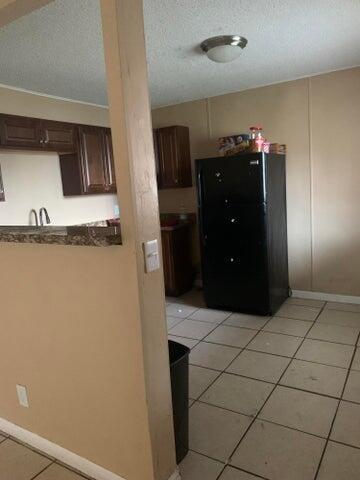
(243,234)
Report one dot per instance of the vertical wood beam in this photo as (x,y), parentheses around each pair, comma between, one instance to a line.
(130,117)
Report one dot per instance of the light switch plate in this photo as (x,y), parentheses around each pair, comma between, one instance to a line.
(22,395)
(151,254)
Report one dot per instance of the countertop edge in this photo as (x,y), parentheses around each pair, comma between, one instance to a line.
(77,236)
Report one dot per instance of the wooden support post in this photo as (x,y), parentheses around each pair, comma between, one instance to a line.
(130,117)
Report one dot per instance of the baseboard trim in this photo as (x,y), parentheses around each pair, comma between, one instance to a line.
(328,297)
(59,453)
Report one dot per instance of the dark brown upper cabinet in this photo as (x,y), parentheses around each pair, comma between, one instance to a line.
(172,156)
(20,132)
(91,169)
(57,136)
(2,193)
(92,158)
(86,152)
(35,134)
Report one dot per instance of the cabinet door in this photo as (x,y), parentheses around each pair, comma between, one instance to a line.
(92,161)
(168,157)
(173,149)
(109,162)
(2,193)
(168,262)
(20,132)
(58,137)
(178,270)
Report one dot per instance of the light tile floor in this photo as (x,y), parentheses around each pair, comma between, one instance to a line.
(271,398)
(17,462)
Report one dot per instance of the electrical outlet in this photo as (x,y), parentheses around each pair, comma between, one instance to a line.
(22,395)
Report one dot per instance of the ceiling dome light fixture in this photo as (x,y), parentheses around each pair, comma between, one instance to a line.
(224,48)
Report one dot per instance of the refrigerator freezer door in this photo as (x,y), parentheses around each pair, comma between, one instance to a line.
(236,180)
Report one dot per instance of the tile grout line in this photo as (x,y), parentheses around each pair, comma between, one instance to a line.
(241,470)
(72,470)
(189,338)
(225,465)
(336,412)
(312,322)
(272,354)
(220,372)
(52,460)
(266,421)
(321,309)
(324,395)
(29,447)
(42,471)
(275,386)
(266,331)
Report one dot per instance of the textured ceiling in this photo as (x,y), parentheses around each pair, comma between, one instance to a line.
(58,50)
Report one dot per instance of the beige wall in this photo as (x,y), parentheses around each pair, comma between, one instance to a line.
(335,156)
(73,332)
(69,333)
(322,185)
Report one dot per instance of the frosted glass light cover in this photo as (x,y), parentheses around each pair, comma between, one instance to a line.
(224,53)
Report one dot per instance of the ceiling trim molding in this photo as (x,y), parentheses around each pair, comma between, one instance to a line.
(53,97)
(13,9)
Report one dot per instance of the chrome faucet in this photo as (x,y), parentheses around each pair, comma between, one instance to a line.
(33,212)
(47,218)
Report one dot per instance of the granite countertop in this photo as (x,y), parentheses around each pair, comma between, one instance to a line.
(81,236)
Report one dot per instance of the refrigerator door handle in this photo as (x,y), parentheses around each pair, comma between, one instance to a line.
(200,207)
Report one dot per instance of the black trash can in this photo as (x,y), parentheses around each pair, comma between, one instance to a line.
(179,372)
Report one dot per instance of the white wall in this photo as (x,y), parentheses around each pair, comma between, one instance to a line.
(33,180)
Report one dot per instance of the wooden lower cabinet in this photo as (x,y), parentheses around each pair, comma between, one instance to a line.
(178,269)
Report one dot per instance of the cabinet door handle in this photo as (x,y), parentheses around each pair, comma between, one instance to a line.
(41,141)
